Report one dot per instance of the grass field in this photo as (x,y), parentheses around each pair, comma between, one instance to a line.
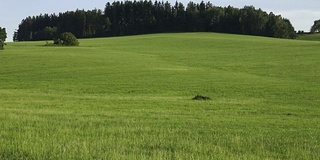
(131,98)
(309,37)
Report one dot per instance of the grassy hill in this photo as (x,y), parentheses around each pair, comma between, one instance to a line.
(131,98)
(309,37)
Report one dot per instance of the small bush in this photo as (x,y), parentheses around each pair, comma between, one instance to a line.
(3,36)
(66,39)
(200,97)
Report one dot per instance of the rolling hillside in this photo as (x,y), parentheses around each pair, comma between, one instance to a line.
(310,37)
(131,98)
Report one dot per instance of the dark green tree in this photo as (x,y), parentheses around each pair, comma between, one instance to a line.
(3,37)
(15,36)
(231,23)
(316,27)
(192,16)
(48,33)
(253,22)
(214,18)
(279,27)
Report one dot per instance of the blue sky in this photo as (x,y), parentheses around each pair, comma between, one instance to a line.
(300,13)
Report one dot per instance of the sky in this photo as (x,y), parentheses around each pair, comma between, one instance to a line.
(302,14)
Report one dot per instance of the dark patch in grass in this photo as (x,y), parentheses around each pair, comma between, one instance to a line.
(10,154)
(200,97)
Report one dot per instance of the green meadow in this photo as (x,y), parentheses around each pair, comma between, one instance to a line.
(131,98)
(309,37)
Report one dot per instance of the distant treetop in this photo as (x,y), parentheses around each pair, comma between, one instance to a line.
(316,27)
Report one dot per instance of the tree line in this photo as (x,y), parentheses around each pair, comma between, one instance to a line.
(141,17)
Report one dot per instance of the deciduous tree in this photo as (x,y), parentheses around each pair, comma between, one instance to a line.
(3,37)
(316,27)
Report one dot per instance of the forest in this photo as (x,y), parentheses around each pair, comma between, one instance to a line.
(122,18)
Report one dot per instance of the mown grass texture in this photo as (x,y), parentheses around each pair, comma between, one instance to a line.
(131,98)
